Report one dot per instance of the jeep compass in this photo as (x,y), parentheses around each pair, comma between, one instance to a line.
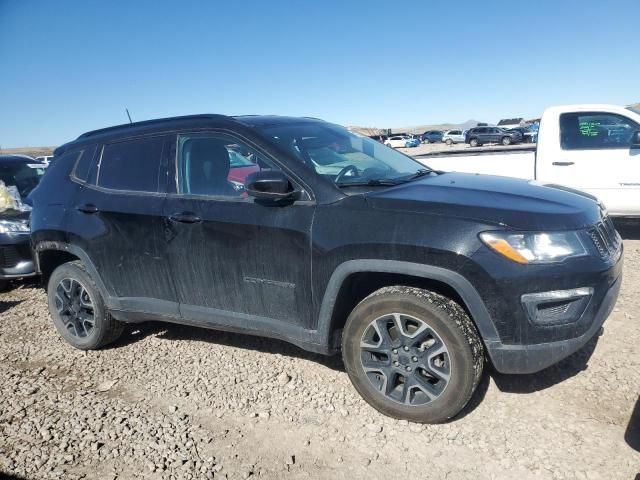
(328,240)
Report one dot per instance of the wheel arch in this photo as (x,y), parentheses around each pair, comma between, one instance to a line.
(354,280)
(51,254)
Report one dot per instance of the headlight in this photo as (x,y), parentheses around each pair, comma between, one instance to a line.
(13,226)
(535,247)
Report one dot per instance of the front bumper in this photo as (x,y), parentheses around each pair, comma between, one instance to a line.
(16,259)
(536,357)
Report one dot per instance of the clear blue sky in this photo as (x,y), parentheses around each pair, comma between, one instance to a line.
(71,66)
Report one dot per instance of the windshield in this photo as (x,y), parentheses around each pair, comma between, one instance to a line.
(238,160)
(345,158)
(25,177)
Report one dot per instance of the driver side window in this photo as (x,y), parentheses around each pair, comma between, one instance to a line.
(217,165)
(595,130)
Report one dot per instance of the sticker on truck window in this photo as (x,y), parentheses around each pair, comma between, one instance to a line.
(589,129)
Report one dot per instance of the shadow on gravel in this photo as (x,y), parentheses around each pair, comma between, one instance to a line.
(628,229)
(8,305)
(632,435)
(168,331)
(548,377)
(9,476)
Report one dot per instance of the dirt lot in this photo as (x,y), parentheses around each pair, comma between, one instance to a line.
(425,148)
(176,402)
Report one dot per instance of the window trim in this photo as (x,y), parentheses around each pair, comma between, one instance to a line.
(162,187)
(295,179)
(73,175)
(607,147)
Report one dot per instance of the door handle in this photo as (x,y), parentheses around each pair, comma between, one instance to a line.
(185,217)
(87,208)
(562,164)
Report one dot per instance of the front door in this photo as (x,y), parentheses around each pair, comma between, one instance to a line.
(235,262)
(596,155)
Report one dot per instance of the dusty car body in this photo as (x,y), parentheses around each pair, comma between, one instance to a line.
(335,243)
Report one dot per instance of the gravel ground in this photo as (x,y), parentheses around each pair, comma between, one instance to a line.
(176,402)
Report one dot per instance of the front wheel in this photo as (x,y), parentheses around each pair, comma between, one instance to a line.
(412,354)
(449,142)
(78,310)
(474,142)
(506,141)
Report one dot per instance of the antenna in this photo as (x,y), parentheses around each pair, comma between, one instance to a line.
(127,110)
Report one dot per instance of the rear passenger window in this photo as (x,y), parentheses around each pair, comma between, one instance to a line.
(84,163)
(132,165)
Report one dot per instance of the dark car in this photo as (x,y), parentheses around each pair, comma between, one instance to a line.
(340,244)
(527,135)
(432,136)
(478,136)
(20,175)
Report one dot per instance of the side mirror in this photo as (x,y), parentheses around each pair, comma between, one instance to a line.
(635,139)
(270,185)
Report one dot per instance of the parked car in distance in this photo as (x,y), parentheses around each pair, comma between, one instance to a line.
(592,148)
(528,136)
(378,138)
(453,136)
(44,159)
(401,141)
(19,175)
(432,136)
(340,244)
(478,136)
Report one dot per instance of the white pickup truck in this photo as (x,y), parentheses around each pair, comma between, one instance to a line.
(593,148)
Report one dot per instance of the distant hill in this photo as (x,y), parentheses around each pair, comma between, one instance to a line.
(416,128)
(31,151)
(636,106)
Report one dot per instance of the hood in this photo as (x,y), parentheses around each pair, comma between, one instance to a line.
(518,204)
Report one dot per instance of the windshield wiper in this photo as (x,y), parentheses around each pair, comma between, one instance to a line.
(421,173)
(373,182)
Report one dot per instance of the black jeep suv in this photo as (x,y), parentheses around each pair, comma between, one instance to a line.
(328,240)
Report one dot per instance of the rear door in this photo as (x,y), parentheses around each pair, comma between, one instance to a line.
(596,156)
(118,220)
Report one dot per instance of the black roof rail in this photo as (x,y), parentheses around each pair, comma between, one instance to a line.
(158,121)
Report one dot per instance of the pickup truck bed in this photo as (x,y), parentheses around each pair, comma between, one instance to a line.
(515,162)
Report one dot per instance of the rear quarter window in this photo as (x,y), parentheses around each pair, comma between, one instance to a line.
(132,165)
(84,163)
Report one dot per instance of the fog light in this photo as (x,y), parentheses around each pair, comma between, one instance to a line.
(557,307)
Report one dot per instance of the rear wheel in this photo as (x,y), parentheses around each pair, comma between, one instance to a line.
(506,141)
(412,354)
(78,309)
(4,284)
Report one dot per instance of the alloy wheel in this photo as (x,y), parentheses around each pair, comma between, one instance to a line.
(405,359)
(75,307)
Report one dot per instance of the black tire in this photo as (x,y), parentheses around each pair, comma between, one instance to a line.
(104,328)
(506,141)
(449,142)
(454,330)
(4,285)
(474,142)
